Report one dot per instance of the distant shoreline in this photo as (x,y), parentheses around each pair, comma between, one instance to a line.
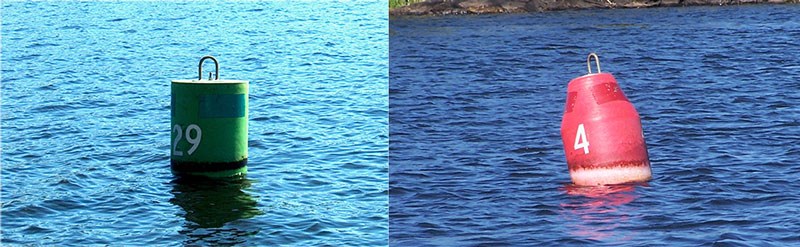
(472,7)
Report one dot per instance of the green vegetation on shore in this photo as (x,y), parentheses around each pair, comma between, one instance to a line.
(401,3)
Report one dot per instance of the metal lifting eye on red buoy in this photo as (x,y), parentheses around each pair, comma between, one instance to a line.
(589,62)
(602,132)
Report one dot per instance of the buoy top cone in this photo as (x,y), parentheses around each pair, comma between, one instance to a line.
(585,82)
(602,132)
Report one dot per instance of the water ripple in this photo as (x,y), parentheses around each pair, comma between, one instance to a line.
(476,105)
(86,115)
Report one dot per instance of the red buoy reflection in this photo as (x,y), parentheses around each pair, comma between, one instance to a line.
(595,212)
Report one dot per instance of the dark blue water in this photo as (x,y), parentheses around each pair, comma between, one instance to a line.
(86,123)
(475,109)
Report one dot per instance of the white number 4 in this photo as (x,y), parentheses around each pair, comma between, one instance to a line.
(580,140)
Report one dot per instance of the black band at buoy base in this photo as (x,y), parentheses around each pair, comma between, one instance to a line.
(209,169)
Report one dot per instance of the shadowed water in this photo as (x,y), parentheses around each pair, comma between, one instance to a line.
(476,105)
(86,123)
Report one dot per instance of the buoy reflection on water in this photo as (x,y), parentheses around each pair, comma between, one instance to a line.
(211,203)
(595,212)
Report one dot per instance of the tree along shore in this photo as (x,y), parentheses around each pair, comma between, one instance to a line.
(462,7)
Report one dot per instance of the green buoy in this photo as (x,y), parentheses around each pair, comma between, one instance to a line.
(209,126)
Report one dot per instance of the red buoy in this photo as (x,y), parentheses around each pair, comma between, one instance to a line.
(602,132)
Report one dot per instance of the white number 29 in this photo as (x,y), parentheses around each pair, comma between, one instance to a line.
(580,140)
(195,141)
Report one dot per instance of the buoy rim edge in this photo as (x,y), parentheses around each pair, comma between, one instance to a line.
(196,81)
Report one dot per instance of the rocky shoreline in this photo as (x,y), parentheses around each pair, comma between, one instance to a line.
(463,7)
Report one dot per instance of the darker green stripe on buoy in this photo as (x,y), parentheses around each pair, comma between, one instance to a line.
(222,105)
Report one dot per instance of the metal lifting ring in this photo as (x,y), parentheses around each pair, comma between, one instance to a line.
(589,62)
(200,68)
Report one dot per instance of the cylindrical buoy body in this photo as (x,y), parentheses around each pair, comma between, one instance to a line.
(209,127)
(602,133)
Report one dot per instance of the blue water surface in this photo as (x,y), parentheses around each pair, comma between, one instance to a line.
(476,102)
(86,123)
